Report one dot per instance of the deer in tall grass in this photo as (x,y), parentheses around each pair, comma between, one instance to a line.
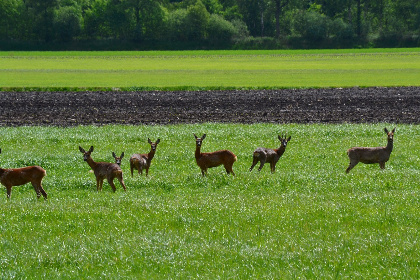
(371,155)
(143,161)
(213,159)
(103,170)
(118,160)
(20,176)
(272,156)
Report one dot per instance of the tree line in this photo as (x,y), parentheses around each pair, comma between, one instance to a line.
(208,24)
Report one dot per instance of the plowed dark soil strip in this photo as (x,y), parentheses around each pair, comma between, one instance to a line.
(352,105)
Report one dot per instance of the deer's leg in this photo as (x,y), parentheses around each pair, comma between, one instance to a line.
(229,169)
(352,164)
(111,182)
(41,189)
(37,190)
(261,165)
(100,183)
(254,162)
(44,193)
(273,167)
(204,172)
(120,178)
(147,171)
(131,168)
(382,165)
(263,158)
(9,191)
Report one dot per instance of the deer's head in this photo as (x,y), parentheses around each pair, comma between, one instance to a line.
(390,134)
(86,155)
(198,140)
(284,140)
(153,145)
(118,159)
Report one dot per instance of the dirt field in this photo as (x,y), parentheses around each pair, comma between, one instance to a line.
(353,105)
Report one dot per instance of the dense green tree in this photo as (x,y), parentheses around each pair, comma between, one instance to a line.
(201,22)
(197,21)
(10,13)
(40,13)
(67,23)
(176,27)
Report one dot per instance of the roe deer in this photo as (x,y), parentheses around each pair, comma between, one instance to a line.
(118,159)
(209,160)
(143,161)
(103,170)
(272,156)
(20,176)
(371,155)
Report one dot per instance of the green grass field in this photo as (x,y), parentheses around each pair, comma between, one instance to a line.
(308,220)
(210,69)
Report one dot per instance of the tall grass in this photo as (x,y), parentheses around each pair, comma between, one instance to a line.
(210,70)
(308,220)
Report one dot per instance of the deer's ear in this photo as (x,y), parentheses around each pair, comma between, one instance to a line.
(91,149)
(122,155)
(204,136)
(386,130)
(393,130)
(157,141)
(82,150)
(113,154)
(288,139)
(195,136)
(279,137)
(149,141)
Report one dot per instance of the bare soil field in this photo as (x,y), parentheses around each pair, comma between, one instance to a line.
(350,105)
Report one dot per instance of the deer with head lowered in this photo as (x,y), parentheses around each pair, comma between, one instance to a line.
(213,159)
(103,170)
(272,156)
(143,161)
(20,176)
(371,155)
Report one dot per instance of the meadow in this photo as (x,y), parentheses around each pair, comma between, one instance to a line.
(308,220)
(210,69)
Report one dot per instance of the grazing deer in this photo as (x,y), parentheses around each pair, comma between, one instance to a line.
(272,156)
(143,161)
(209,160)
(103,170)
(118,159)
(371,155)
(20,176)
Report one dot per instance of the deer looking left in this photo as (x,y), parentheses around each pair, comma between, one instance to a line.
(20,176)
(103,170)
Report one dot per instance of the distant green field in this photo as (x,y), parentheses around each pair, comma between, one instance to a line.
(210,69)
(308,220)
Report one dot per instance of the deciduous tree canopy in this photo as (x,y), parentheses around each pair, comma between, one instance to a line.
(166,24)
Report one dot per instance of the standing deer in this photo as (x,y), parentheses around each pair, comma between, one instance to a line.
(272,156)
(20,176)
(103,170)
(118,159)
(143,161)
(209,160)
(371,155)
